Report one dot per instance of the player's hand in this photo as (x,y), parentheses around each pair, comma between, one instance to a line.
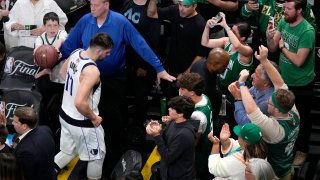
(97,121)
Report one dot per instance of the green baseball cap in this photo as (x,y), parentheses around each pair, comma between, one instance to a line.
(250,132)
(188,2)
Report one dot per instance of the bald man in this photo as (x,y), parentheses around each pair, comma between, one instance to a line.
(216,63)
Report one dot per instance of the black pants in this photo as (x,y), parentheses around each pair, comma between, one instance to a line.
(112,109)
(303,103)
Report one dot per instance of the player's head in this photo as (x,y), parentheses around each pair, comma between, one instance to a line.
(51,24)
(102,43)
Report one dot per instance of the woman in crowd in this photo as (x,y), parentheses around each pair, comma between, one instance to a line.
(235,152)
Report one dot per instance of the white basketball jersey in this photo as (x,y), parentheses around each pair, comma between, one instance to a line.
(75,66)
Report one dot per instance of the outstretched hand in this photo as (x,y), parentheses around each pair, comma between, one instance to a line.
(225,132)
(263,54)
(164,75)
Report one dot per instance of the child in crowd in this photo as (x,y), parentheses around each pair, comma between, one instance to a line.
(50,85)
(52,36)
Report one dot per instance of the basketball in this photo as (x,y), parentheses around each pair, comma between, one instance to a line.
(46,56)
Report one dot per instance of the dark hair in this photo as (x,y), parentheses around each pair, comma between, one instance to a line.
(102,40)
(192,82)
(3,133)
(244,29)
(299,4)
(26,115)
(10,168)
(50,16)
(255,150)
(182,104)
(285,98)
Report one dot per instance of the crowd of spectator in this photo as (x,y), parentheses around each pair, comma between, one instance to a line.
(260,54)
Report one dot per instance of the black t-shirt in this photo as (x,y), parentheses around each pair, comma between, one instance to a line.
(149,28)
(185,42)
(211,86)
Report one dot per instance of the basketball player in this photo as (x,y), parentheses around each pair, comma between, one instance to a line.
(81,132)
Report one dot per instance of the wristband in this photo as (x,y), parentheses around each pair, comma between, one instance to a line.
(242,84)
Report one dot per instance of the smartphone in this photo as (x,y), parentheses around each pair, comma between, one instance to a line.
(271,22)
(218,19)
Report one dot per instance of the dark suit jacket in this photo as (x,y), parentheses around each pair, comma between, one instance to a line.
(35,152)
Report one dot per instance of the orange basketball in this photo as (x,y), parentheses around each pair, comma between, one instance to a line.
(46,56)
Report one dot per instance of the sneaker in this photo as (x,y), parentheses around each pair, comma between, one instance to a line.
(299,159)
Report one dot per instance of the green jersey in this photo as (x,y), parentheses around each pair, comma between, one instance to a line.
(271,8)
(203,147)
(235,66)
(280,155)
(300,36)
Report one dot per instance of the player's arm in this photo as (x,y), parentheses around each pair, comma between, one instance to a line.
(63,70)
(89,78)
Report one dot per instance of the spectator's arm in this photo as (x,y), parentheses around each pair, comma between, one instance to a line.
(272,72)
(225,5)
(273,38)
(152,10)
(212,43)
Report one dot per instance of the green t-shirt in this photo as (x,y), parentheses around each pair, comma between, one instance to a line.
(280,155)
(271,8)
(300,36)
